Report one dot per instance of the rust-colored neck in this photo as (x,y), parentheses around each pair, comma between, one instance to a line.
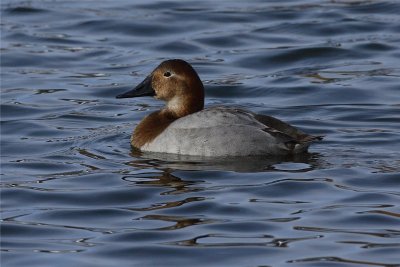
(150,127)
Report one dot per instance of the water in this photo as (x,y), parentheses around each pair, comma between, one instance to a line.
(73,192)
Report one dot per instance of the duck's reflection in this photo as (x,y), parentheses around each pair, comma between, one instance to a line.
(162,172)
(166,179)
(164,161)
(178,221)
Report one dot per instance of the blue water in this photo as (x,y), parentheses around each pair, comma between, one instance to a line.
(74,194)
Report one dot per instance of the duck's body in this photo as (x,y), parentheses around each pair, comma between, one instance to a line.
(184,127)
(224,132)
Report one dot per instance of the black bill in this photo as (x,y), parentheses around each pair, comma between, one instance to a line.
(142,89)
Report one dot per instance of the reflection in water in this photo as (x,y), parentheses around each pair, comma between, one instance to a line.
(382,233)
(324,260)
(372,245)
(215,240)
(384,212)
(168,205)
(180,222)
(246,164)
(166,179)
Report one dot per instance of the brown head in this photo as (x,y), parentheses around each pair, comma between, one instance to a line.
(175,82)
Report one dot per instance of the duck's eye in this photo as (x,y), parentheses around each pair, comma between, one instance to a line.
(167,74)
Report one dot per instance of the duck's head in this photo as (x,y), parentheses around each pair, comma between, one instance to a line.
(175,82)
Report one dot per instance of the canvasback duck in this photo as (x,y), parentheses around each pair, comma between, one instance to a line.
(184,127)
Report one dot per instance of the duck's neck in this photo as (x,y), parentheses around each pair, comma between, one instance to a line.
(150,127)
(189,99)
(181,106)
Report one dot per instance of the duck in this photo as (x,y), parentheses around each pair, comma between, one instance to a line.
(184,127)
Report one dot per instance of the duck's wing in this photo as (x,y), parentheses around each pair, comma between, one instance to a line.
(285,129)
(282,132)
(218,116)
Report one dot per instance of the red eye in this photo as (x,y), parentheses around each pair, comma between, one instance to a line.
(167,74)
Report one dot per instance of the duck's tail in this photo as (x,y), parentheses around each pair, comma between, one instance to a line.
(303,144)
(311,138)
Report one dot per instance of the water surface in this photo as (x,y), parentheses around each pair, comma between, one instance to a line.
(73,192)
